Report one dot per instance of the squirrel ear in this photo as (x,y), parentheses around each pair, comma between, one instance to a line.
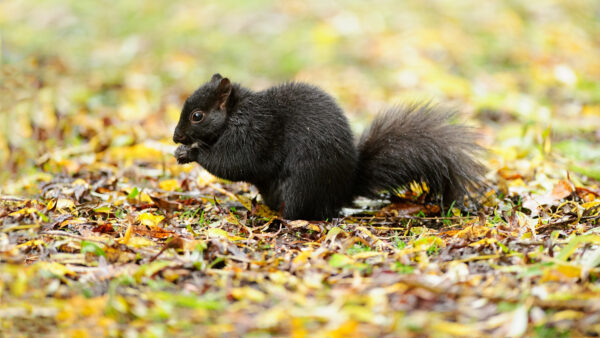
(223,92)
(216,77)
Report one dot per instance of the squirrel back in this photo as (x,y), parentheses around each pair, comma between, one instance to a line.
(294,143)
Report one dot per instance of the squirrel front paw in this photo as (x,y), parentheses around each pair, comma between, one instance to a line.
(186,154)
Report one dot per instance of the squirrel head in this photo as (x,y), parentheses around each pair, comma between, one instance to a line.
(204,114)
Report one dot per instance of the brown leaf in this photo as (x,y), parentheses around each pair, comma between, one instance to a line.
(152,231)
(166,204)
(104,228)
(562,189)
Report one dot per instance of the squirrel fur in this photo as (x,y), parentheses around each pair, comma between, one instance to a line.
(294,143)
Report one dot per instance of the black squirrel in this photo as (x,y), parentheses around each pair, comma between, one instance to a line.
(293,142)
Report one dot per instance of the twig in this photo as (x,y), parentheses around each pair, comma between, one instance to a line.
(571,304)
(68,234)
(21,227)
(12,198)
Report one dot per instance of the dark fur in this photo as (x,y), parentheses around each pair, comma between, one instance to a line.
(294,143)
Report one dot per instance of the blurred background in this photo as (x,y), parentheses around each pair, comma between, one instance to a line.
(97,85)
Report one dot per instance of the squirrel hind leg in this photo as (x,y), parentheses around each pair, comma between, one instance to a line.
(271,195)
(308,201)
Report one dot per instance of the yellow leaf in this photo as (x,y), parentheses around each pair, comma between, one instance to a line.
(303,256)
(51,204)
(260,209)
(236,238)
(220,233)
(31,244)
(149,219)
(138,242)
(298,325)
(560,273)
(591,110)
(278,277)
(204,178)
(367,232)
(144,197)
(273,317)
(569,270)
(65,316)
(24,211)
(78,333)
(135,152)
(418,230)
(455,329)
(169,185)
(346,329)
(104,209)
(426,242)
(79,181)
(526,235)
(231,218)
(367,254)
(589,205)
(65,203)
(55,268)
(217,233)
(473,231)
(566,315)
(127,235)
(379,243)
(333,233)
(313,227)
(26,182)
(170,275)
(483,242)
(340,261)
(248,293)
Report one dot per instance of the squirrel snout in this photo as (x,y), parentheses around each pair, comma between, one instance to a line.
(179,138)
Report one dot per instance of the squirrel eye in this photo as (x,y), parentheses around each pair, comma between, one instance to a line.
(197,117)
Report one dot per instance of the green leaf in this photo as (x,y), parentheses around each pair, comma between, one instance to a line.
(340,261)
(402,268)
(92,247)
(133,194)
(150,269)
(103,210)
(568,249)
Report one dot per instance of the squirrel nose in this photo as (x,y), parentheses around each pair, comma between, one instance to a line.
(179,138)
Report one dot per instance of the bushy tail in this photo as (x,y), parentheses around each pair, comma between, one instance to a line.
(417,143)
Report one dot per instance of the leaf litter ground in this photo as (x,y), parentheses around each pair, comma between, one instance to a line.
(101,233)
(109,251)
